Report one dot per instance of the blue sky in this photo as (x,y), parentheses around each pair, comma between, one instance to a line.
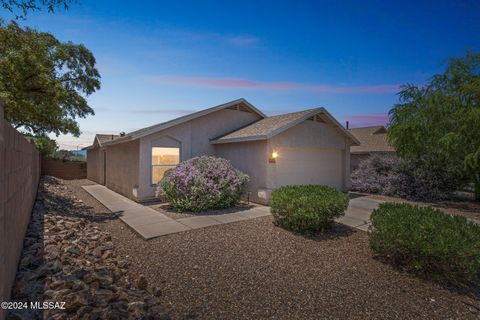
(162,59)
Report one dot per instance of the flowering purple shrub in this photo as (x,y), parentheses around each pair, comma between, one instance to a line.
(374,174)
(390,175)
(203,183)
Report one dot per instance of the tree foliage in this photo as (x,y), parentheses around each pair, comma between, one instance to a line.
(438,124)
(46,146)
(20,8)
(44,82)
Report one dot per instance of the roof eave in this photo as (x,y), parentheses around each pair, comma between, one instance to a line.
(293,123)
(243,139)
(117,141)
(195,115)
(310,114)
(345,131)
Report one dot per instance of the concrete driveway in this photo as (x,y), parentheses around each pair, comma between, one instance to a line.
(359,210)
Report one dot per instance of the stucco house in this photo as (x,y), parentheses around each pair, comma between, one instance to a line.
(306,147)
(373,140)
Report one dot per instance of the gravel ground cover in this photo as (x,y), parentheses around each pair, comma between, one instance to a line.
(68,259)
(171,212)
(254,270)
(467,208)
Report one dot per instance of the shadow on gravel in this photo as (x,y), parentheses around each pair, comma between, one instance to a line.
(71,263)
(337,231)
(468,289)
(71,208)
(169,210)
(29,286)
(30,278)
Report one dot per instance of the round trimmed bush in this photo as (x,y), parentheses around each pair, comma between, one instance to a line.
(427,241)
(203,183)
(307,208)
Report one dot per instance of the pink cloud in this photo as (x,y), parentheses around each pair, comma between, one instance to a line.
(367,119)
(236,83)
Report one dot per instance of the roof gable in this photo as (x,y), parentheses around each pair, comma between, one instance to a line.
(271,126)
(239,104)
(101,139)
(372,139)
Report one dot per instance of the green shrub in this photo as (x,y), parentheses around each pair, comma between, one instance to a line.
(427,241)
(308,207)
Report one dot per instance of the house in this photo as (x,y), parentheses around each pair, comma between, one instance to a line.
(306,147)
(96,158)
(373,140)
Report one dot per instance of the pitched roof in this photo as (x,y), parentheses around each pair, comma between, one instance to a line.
(271,126)
(168,124)
(100,139)
(372,139)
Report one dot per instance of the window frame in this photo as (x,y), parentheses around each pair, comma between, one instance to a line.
(162,165)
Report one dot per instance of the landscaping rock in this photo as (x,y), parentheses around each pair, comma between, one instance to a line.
(67,258)
(142,282)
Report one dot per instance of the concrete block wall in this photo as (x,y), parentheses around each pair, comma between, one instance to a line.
(67,170)
(19,176)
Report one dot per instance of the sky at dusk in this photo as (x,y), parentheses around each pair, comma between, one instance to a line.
(163,59)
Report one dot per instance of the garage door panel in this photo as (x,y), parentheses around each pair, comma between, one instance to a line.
(309,166)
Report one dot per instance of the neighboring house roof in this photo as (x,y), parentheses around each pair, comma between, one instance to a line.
(372,139)
(100,139)
(165,125)
(271,126)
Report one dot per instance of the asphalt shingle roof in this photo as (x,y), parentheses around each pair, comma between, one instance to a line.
(372,139)
(265,126)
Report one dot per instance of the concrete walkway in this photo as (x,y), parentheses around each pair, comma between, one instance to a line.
(149,223)
(358,212)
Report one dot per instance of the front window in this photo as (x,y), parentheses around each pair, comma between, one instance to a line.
(163,159)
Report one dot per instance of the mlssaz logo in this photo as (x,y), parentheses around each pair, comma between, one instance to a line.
(47,305)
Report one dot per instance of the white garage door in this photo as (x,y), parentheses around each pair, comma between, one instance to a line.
(309,166)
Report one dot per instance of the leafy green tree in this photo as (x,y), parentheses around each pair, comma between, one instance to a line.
(44,82)
(437,125)
(46,146)
(20,8)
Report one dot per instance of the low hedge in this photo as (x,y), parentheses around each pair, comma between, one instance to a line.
(427,242)
(307,208)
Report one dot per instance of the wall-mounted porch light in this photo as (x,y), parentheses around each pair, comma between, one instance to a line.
(273,157)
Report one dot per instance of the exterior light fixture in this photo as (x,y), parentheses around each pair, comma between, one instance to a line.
(273,157)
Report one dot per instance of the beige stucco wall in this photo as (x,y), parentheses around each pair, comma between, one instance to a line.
(122,168)
(250,158)
(192,137)
(95,165)
(310,153)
